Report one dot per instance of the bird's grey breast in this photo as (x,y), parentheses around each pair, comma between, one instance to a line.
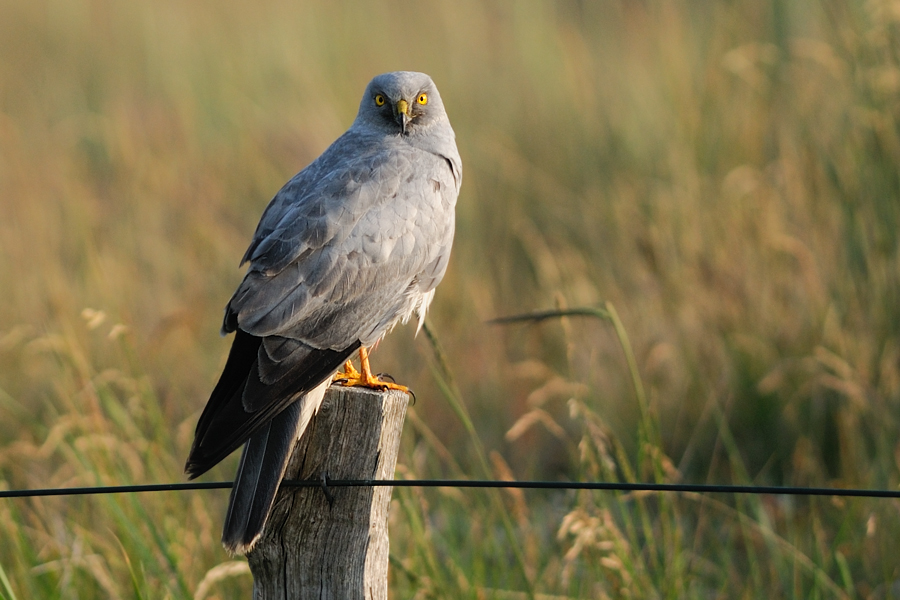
(358,233)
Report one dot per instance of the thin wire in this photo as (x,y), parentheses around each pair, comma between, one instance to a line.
(612,487)
(463,483)
(116,489)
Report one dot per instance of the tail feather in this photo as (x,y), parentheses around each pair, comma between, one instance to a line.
(261,470)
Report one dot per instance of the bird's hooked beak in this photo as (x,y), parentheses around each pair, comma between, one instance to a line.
(402,115)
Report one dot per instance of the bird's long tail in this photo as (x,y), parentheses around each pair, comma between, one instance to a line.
(261,470)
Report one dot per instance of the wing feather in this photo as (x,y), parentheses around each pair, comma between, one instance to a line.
(241,402)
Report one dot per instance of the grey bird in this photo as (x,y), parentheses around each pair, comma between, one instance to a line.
(353,244)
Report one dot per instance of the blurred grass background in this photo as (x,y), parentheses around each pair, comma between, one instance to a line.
(724,174)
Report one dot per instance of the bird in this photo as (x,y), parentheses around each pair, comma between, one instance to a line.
(352,245)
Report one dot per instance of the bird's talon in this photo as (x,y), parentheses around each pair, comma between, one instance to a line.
(348,374)
(350,377)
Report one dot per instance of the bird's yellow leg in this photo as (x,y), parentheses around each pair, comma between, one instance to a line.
(364,377)
(369,380)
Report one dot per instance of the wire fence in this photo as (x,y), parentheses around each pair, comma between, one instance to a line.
(326,483)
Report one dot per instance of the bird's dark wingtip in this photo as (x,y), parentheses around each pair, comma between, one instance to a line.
(197,464)
(193,470)
(241,546)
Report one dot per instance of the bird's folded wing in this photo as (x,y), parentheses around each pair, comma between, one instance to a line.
(241,402)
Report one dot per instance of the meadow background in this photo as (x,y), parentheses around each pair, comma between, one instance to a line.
(725,175)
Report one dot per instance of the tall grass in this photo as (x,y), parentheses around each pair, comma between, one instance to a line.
(725,176)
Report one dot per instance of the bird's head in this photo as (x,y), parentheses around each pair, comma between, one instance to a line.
(403,102)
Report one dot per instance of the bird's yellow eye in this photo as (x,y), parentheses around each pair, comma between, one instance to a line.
(379,100)
(422,99)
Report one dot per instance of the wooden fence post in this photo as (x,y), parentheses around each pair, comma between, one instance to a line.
(313,548)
